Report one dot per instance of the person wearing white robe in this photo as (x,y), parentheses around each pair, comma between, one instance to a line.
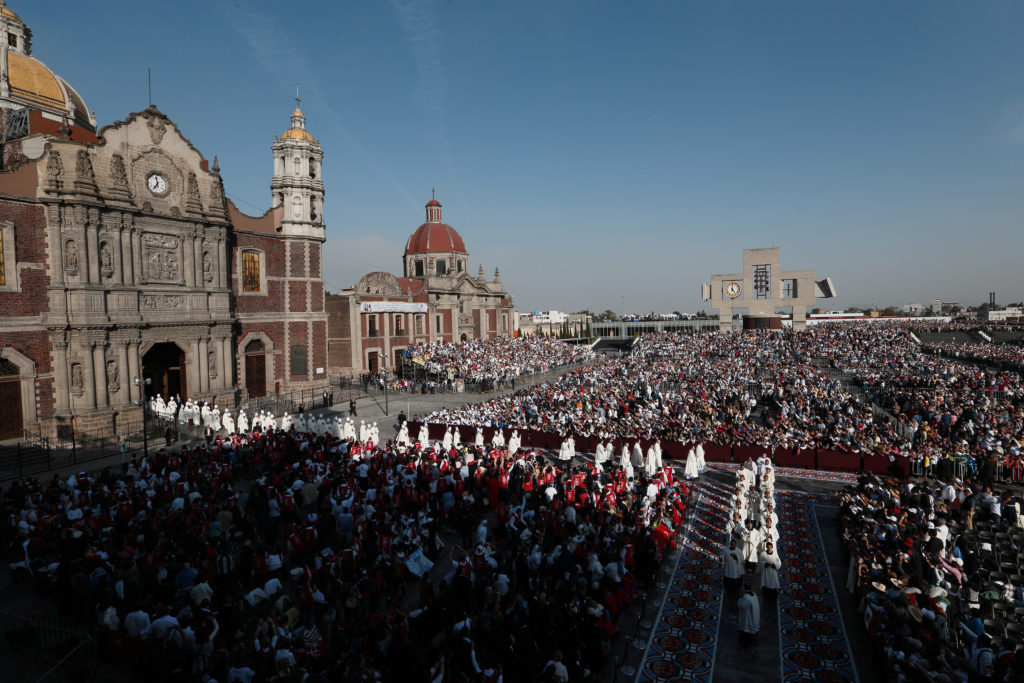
(456,438)
(350,429)
(600,455)
(229,422)
(701,465)
(770,564)
(624,457)
(572,447)
(364,432)
(242,424)
(690,472)
(752,545)
(749,615)
(513,442)
(337,427)
(733,558)
(563,451)
(215,423)
(637,459)
(374,432)
(479,441)
(657,454)
(300,423)
(651,466)
(286,422)
(447,442)
(424,437)
(403,435)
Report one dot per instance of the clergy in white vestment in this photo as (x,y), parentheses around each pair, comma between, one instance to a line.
(364,432)
(563,451)
(637,459)
(651,465)
(572,446)
(403,434)
(770,564)
(753,543)
(424,437)
(513,442)
(242,424)
(446,443)
(691,471)
(456,438)
(350,429)
(701,465)
(286,422)
(733,558)
(374,433)
(624,457)
(228,421)
(215,423)
(657,454)
(600,455)
(479,441)
(749,615)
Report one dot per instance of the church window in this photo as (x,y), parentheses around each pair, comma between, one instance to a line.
(398,326)
(440,267)
(437,324)
(312,168)
(460,265)
(419,324)
(371,323)
(250,271)
(299,357)
(298,165)
(12,40)
(419,268)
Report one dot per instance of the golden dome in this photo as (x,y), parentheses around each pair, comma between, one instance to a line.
(297,134)
(9,14)
(33,83)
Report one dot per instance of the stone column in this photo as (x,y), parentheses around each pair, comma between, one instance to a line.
(92,255)
(88,373)
(204,364)
(99,363)
(197,258)
(137,255)
(227,363)
(188,261)
(56,249)
(135,392)
(124,394)
(194,383)
(222,264)
(61,389)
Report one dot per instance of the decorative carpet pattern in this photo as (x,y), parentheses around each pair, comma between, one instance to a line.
(683,640)
(812,636)
(792,472)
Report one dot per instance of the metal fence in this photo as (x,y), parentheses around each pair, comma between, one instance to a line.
(38,453)
(45,649)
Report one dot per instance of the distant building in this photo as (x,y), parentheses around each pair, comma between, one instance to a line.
(374,322)
(1008,313)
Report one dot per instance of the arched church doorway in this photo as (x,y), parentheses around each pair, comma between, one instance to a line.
(164,364)
(463,337)
(11,424)
(255,369)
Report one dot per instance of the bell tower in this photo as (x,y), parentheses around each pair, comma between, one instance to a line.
(297,185)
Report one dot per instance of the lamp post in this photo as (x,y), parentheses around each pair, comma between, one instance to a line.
(145,414)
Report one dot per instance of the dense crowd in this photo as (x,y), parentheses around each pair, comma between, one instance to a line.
(502,358)
(858,387)
(935,566)
(274,556)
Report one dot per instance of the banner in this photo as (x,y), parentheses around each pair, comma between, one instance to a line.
(391,307)
(419,361)
(418,563)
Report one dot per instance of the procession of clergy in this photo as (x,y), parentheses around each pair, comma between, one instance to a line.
(217,422)
(752,537)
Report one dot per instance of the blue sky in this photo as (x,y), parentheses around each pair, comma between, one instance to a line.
(605,154)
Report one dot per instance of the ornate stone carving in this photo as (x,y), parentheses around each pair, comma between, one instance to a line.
(117,171)
(77,379)
(381,283)
(71,257)
(207,267)
(157,128)
(158,241)
(83,166)
(113,385)
(106,260)
(193,185)
(54,166)
(167,301)
(211,363)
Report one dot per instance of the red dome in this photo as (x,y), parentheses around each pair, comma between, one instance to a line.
(433,202)
(435,238)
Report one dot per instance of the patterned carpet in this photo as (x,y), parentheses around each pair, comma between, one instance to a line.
(811,632)
(683,641)
(813,640)
(791,472)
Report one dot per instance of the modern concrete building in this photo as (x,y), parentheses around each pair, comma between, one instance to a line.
(762,288)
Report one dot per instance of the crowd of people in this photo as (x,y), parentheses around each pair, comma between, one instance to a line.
(935,566)
(275,555)
(820,388)
(499,359)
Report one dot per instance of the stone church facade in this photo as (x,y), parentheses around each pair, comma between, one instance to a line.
(123,263)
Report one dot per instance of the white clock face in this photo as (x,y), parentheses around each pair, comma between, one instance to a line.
(157,184)
(733,289)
